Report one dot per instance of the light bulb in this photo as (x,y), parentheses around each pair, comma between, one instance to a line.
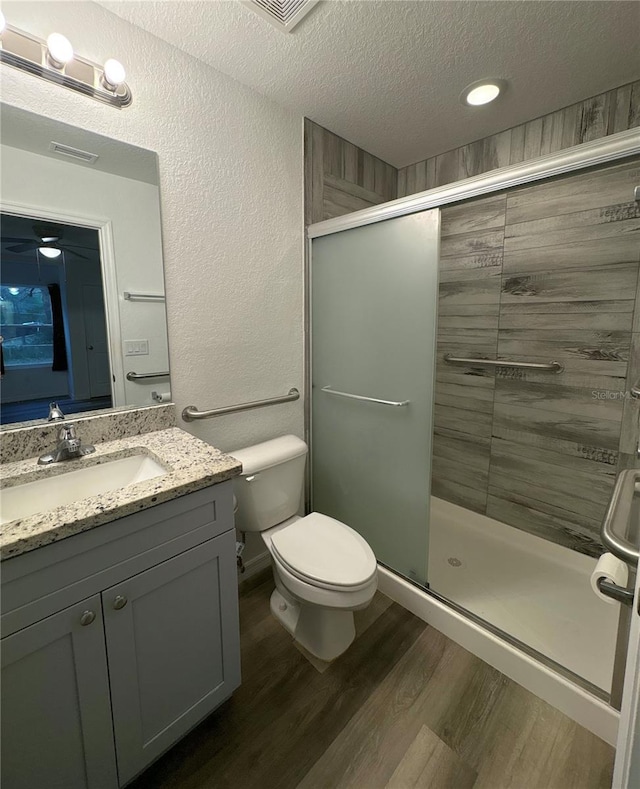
(482,92)
(50,252)
(3,22)
(114,73)
(60,50)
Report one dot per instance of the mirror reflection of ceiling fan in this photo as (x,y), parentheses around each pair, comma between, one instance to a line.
(48,240)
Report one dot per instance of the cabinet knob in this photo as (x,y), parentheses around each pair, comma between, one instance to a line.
(87,618)
(119,601)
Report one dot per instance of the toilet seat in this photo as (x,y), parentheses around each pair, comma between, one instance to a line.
(325,553)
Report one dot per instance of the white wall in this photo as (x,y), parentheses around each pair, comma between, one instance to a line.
(231,189)
(132,208)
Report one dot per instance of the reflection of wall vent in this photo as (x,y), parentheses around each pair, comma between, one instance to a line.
(74,153)
(283,14)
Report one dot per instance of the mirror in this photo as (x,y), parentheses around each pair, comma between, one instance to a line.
(82,309)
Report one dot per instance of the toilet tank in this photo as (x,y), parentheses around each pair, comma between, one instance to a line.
(270,487)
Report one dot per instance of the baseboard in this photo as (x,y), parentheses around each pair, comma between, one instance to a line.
(254,566)
(558,691)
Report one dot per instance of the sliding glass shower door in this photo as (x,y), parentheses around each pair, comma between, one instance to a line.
(374,293)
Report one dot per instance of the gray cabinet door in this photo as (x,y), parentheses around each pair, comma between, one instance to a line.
(173,649)
(56,716)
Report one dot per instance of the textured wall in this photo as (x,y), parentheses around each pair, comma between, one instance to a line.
(231,193)
(610,112)
(340,177)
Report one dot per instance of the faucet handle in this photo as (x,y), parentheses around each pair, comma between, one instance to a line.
(55,413)
(68,432)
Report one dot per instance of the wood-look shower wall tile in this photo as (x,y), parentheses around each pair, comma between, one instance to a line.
(477,243)
(630,427)
(575,435)
(487,213)
(575,193)
(484,290)
(461,395)
(543,520)
(589,285)
(462,421)
(593,401)
(603,466)
(614,111)
(489,153)
(580,492)
(340,197)
(468,469)
(449,489)
(587,229)
(449,167)
(340,177)
(469,294)
(402,182)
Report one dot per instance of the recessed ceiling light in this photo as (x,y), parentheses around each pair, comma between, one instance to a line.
(481,92)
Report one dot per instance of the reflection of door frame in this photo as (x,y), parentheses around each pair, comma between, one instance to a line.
(109,280)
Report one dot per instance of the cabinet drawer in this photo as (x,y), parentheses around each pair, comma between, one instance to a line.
(57,575)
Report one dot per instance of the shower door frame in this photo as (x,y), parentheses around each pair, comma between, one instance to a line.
(609,149)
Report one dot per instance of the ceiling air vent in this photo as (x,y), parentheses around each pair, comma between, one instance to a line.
(74,153)
(283,14)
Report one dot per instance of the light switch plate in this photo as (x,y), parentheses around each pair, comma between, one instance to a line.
(136,347)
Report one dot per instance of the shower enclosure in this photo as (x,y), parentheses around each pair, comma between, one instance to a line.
(485,484)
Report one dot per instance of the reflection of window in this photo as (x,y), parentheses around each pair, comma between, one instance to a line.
(26,325)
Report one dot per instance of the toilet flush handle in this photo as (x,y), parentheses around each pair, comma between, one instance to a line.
(252,477)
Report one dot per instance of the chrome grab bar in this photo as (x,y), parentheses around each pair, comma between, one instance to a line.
(552,367)
(144,376)
(190,413)
(617,517)
(128,296)
(396,403)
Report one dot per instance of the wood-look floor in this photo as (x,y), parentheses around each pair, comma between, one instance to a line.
(403,707)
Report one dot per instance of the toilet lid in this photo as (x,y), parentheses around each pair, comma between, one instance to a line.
(319,548)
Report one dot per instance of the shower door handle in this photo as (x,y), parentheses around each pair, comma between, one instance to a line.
(396,403)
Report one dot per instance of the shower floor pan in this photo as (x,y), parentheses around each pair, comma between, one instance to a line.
(535,591)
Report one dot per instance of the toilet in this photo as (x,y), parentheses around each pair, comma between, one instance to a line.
(323,570)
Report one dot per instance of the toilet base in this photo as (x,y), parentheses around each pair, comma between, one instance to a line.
(324,632)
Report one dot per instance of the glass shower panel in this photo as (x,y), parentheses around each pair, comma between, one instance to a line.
(374,293)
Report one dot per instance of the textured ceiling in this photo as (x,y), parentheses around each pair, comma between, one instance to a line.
(387,75)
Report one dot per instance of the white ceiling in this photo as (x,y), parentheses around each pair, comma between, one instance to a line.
(387,74)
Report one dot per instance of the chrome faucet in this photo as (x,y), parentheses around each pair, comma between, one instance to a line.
(69,444)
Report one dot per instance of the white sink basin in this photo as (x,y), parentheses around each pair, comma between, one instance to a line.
(42,495)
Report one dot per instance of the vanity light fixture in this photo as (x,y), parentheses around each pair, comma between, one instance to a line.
(481,92)
(113,75)
(55,61)
(59,50)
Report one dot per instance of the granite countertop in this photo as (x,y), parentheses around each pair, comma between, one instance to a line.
(191,465)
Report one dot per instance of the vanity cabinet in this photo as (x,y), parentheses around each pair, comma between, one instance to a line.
(56,714)
(96,689)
